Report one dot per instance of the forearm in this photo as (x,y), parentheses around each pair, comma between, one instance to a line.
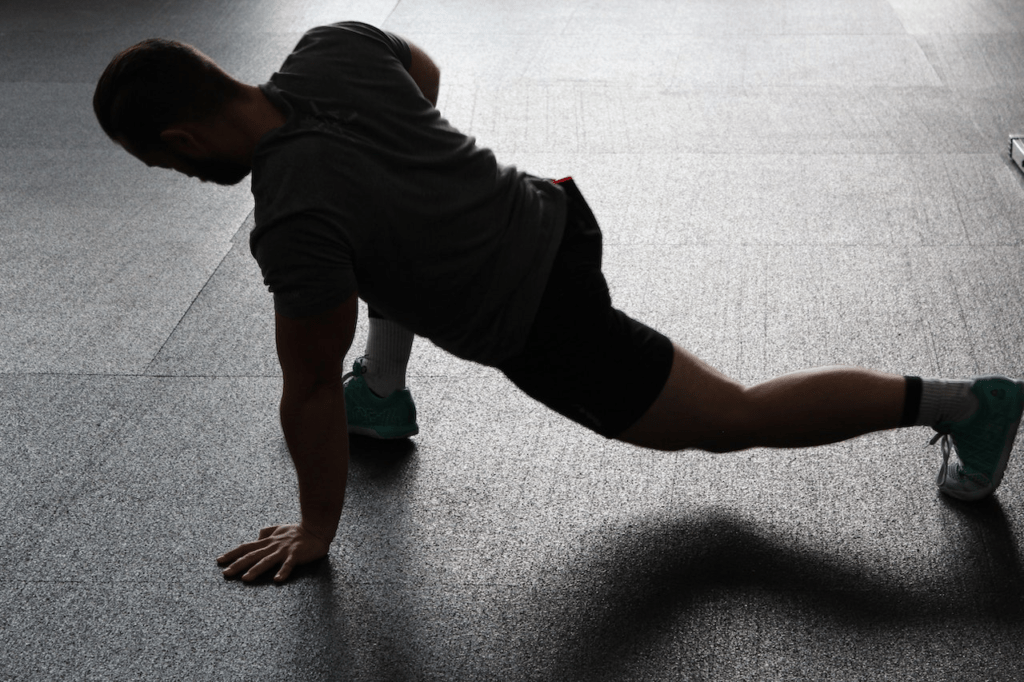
(316,432)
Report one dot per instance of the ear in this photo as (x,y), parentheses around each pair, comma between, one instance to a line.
(181,142)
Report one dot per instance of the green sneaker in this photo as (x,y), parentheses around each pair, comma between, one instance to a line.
(371,415)
(983,441)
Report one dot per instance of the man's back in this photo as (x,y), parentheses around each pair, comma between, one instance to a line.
(368,189)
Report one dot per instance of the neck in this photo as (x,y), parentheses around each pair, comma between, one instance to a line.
(254,116)
(266,116)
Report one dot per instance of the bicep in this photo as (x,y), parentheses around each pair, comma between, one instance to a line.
(311,350)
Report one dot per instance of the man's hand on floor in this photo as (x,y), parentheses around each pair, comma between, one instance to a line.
(288,546)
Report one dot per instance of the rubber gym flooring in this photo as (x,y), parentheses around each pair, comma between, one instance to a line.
(782,184)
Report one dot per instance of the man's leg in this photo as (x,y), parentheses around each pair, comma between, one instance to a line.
(377,402)
(701,408)
(386,358)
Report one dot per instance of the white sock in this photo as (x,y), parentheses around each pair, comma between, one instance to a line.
(386,359)
(945,401)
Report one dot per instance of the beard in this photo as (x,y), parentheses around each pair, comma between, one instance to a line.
(219,172)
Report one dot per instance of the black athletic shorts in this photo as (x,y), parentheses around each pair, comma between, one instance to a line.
(583,358)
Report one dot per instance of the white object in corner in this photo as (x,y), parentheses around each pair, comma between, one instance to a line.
(1017,150)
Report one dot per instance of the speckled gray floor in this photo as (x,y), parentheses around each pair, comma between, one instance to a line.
(782,184)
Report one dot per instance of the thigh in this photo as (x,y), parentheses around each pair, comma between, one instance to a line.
(699,407)
(603,372)
(583,358)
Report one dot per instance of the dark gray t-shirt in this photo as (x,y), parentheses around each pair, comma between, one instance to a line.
(367,189)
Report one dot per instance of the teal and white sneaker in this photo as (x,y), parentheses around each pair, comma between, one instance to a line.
(370,415)
(983,441)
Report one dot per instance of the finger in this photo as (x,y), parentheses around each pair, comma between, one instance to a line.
(286,570)
(245,562)
(241,550)
(265,564)
(267,532)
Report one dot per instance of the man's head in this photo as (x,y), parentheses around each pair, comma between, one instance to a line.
(166,103)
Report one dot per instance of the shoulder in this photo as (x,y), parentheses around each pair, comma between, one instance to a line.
(283,175)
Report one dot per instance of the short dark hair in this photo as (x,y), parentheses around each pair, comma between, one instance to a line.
(155,84)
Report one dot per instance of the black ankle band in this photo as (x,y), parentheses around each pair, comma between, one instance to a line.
(912,401)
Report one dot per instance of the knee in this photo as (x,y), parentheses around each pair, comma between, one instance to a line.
(707,412)
(734,426)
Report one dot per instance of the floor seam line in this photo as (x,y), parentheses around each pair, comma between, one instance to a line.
(149,365)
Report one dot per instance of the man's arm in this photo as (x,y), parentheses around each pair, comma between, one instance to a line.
(425,72)
(311,352)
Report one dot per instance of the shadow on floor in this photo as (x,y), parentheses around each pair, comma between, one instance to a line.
(649,579)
